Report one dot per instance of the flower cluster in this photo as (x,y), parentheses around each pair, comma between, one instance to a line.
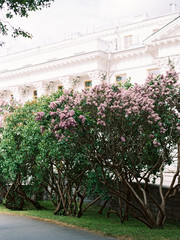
(39,116)
(63,115)
(140,107)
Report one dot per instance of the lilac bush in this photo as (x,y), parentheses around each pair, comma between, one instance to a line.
(128,133)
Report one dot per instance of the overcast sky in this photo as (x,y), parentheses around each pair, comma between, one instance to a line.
(66,16)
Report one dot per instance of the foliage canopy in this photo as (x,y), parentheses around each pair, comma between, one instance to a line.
(12,8)
(113,142)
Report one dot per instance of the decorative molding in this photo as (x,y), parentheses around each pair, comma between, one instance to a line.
(3,93)
(75,80)
(48,86)
(14,89)
(49,66)
(175,60)
(66,81)
(132,52)
(38,85)
(20,90)
(153,51)
(159,41)
(17,92)
(163,62)
(97,76)
(24,90)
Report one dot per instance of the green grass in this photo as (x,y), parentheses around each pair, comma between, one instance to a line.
(132,229)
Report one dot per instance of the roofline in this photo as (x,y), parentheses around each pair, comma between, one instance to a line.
(91,34)
(162,28)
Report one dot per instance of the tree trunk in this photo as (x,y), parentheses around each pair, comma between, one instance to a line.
(103,206)
(58,208)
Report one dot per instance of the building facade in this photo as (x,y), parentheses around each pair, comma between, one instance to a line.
(129,50)
(126,51)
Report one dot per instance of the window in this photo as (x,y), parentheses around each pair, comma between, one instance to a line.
(35,94)
(121,78)
(128,41)
(88,85)
(113,44)
(60,87)
(154,71)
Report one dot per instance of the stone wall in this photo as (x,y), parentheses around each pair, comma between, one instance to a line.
(172,206)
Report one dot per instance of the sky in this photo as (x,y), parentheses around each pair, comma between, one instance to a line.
(67,17)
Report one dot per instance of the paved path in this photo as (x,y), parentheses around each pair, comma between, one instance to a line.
(23,228)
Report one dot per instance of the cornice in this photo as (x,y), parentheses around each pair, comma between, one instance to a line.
(129,53)
(129,26)
(164,31)
(166,40)
(92,36)
(41,50)
(146,22)
(53,64)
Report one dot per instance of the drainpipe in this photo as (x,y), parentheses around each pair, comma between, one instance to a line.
(108,67)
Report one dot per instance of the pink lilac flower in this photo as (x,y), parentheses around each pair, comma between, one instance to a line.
(53,113)
(151,136)
(156,144)
(53,105)
(39,115)
(82,118)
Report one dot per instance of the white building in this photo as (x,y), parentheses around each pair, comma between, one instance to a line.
(128,50)
(132,49)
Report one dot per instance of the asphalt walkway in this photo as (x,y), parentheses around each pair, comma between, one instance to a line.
(23,228)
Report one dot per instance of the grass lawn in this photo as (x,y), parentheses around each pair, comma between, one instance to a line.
(131,230)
